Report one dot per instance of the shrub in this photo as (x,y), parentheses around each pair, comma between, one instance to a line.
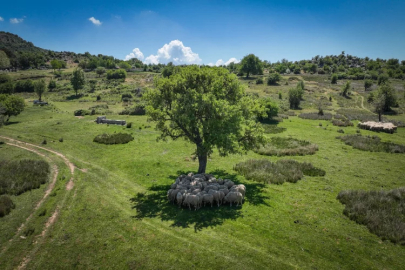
(116,138)
(51,85)
(334,79)
(19,176)
(368,84)
(273,78)
(82,112)
(270,106)
(316,116)
(127,96)
(98,98)
(44,141)
(137,110)
(259,81)
(340,123)
(4,78)
(345,89)
(24,86)
(381,211)
(382,79)
(301,85)
(129,125)
(276,172)
(61,140)
(372,144)
(294,97)
(280,96)
(116,74)
(287,147)
(340,131)
(6,204)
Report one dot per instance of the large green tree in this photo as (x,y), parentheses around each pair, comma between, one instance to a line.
(40,88)
(209,108)
(251,64)
(11,105)
(4,60)
(77,79)
(389,97)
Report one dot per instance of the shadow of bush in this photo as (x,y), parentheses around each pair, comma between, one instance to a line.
(154,204)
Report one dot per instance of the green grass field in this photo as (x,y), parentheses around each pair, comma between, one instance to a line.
(117,215)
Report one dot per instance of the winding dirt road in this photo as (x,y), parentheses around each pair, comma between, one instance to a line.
(54,171)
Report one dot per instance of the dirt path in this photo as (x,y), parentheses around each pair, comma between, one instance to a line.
(55,171)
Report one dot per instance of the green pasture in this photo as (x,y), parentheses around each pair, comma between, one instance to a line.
(117,215)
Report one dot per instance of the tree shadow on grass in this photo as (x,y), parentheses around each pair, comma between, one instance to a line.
(154,204)
(9,123)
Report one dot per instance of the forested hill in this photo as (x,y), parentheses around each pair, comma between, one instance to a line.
(13,43)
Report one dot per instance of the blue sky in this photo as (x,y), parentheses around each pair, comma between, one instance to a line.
(207,31)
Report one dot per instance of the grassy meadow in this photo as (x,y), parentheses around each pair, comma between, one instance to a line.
(117,215)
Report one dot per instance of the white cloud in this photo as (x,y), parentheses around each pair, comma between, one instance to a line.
(1,19)
(16,20)
(136,53)
(174,52)
(221,62)
(95,21)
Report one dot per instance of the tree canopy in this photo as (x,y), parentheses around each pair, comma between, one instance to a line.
(251,64)
(209,108)
(77,79)
(40,88)
(11,105)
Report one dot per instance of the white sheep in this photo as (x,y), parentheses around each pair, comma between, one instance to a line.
(208,198)
(179,199)
(234,197)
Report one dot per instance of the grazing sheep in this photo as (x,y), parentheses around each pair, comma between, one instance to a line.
(208,198)
(234,197)
(195,191)
(179,199)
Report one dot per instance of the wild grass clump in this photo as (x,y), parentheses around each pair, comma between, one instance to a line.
(287,147)
(6,204)
(116,138)
(272,129)
(383,212)
(82,112)
(316,116)
(340,123)
(372,144)
(137,110)
(19,176)
(276,172)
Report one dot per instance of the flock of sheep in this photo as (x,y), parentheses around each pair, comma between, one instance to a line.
(378,126)
(195,191)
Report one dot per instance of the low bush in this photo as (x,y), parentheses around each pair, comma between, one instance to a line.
(316,116)
(381,211)
(340,131)
(82,112)
(116,74)
(19,176)
(340,123)
(259,81)
(116,138)
(273,78)
(137,110)
(6,204)
(276,172)
(279,146)
(129,125)
(372,144)
(339,116)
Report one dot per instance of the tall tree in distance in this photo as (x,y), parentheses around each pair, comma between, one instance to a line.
(251,64)
(209,108)
(40,88)
(4,60)
(77,79)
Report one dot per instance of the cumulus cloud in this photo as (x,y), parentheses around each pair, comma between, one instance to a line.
(136,53)
(221,62)
(1,19)
(174,52)
(16,20)
(95,21)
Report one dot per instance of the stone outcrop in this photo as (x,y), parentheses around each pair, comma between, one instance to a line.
(104,120)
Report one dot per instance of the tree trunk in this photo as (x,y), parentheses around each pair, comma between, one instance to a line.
(379,116)
(202,162)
